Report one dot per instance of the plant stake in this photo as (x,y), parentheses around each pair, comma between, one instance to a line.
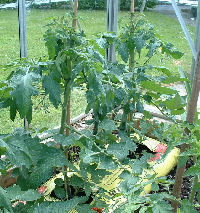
(192,106)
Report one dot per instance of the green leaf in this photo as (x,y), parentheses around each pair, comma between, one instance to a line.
(155,87)
(174,103)
(121,150)
(76,181)
(39,175)
(5,201)
(187,83)
(94,83)
(152,47)
(13,110)
(58,207)
(123,51)
(176,54)
(89,156)
(59,182)
(155,187)
(15,193)
(97,174)
(50,43)
(193,171)
(144,209)
(182,161)
(187,207)
(17,151)
(173,79)
(139,42)
(66,140)
(170,50)
(52,88)
(177,112)
(85,208)
(162,207)
(108,125)
(140,164)
(128,184)
(60,192)
(107,163)
(23,90)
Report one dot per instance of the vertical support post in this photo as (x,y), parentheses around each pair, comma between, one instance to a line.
(22,28)
(143,6)
(192,107)
(132,7)
(196,42)
(112,25)
(22,37)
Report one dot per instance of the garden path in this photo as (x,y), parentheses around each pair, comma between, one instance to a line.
(168,10)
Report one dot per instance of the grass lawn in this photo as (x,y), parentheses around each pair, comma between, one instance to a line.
(92,22)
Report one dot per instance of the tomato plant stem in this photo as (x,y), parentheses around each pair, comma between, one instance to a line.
(193,192)
(66,97)
(131,60)
(124,121)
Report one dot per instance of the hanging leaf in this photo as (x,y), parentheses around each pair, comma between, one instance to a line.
(23,84)
(155,87)
(123,51)
(164,70)
(52,88)
(174,103)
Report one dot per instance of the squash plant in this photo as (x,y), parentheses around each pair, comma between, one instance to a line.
(111,89)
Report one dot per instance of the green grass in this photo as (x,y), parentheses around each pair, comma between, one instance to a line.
(170,31)
(92,22)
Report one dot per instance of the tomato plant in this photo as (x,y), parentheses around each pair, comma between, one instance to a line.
(114,92)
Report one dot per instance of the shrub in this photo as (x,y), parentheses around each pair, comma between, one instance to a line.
(99,4)
(125,4)
(7,1)
(87,4)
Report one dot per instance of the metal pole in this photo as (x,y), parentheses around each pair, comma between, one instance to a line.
(112,25)
(22,37)
(196,41)
(184,28)
(143,6)
(22,28)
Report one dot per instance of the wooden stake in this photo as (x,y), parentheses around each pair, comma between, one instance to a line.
(192,107)
(74,25)
(131,58)
(132,7)
(74,22)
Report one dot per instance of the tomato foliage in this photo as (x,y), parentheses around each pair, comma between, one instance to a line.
(113,91)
